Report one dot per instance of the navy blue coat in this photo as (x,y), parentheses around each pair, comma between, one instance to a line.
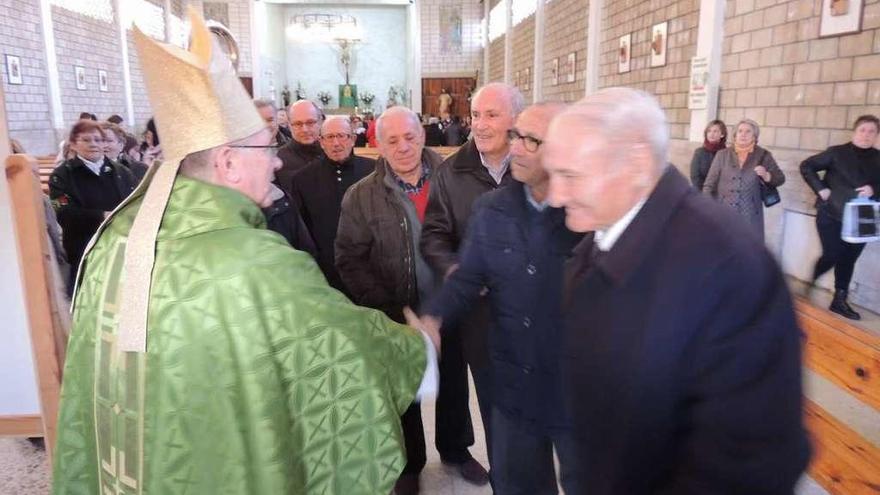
(518,253)
(682,369)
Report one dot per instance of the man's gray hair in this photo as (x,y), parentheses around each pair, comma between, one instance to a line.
(334,118)
(263,103)
(751,123)
(624,114)
(514,96)
(396,110)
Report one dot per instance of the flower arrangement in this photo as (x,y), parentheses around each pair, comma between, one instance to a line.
(367,98)
(324,97)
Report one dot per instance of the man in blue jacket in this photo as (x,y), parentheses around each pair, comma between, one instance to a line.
(516,246)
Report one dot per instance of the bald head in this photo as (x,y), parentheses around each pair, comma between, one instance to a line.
(305,121)
(337,139)
(604,154)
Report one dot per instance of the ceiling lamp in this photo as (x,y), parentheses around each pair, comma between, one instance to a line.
(323,28)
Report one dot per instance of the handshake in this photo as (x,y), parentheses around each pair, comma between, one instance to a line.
(428,325)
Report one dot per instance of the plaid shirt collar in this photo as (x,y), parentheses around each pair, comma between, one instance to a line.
(417,188)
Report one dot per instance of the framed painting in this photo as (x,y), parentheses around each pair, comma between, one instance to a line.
(80,76)
(570,64)
(624,53)
(659,42)
(102,81)
(450,29)
(13,69)
(527,79)
(554,72)
(841,17)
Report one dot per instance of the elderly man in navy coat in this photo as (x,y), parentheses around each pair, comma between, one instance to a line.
(682,354)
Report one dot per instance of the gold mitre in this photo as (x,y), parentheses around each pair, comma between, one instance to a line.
(197,100)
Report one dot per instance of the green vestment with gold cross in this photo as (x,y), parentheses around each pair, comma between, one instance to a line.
(258,377)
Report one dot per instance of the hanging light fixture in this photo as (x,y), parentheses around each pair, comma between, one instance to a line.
(323,28)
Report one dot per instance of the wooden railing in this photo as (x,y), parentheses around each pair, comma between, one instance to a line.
(844,462)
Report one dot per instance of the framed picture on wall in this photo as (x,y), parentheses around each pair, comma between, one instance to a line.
(624,53)
(570,63)
(841,17)
(658,44)
(102,81)
(554,72)
(13,69)
(80,75)
(527,79)
(516,80)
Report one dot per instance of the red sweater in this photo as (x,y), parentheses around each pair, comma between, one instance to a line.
(420,199)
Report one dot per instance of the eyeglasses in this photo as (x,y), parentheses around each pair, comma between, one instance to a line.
(271,149)
(530,143)
(307,123)
(333,137)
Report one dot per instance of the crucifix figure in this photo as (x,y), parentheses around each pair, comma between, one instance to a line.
(346,47)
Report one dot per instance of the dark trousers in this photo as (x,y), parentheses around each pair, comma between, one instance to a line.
(522,462)
(836,253)
(454,431)
(414,439)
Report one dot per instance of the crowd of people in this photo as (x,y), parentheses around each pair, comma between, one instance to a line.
(595,295)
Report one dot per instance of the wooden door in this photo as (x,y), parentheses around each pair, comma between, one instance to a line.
(457,87)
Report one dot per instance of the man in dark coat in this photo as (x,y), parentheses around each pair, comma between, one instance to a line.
(377,247)
(681,364)
(84,189)
(480,166)
(283,217)
(516,246)
(305,123)
(318,189)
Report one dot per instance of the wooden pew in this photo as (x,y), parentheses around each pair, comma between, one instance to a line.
(843,462)
(373,153)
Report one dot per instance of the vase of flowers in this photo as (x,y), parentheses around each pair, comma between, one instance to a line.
(368,97)
(324,97)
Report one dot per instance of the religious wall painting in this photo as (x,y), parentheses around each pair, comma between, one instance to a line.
(102,81)
(348,96)
(216,11)
(80,77)
(450,29)
(624,53)
(659,42)
(516,79)
(13,70)
(554,72)
(570,64)
(527,79)
(841,17)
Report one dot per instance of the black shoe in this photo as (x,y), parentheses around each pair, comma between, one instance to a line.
(841,307)
(471,471)
(407,484)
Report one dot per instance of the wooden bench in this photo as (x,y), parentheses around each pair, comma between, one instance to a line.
(844,462)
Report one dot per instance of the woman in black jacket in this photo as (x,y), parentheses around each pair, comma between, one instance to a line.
(851,170)
(714,139)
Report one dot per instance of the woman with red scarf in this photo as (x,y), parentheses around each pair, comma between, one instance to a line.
(714,139)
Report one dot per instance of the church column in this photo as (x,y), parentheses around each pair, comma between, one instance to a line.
(709,38)
(594,45)
(167,9)
(538,58)
(258,23)
(508,44)
(414,21)
(485,77)
(121,23)
(55,108)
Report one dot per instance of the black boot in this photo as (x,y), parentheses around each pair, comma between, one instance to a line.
(841,307)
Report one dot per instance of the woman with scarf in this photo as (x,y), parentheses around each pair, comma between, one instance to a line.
(714,140)
(738,173)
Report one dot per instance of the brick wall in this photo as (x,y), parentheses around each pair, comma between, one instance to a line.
(565,32)
(523,39)
(94,45)
(804,91)
(437,62)
(670,82)
(27,104)
(496,59)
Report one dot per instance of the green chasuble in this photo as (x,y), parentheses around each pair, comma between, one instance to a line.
(259,378)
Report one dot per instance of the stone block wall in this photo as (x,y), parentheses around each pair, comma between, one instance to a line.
(523,39)
(804,90)
(93,44)
(435,61)
(496,59)
(670,82)
(565,31)
(27,104)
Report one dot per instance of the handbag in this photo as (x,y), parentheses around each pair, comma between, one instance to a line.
(861,221)
(769,194)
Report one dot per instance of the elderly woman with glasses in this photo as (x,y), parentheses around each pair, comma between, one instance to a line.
(738,174)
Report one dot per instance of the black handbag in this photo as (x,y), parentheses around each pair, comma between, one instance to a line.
(769,194)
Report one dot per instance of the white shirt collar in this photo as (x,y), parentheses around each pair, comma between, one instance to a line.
(499,174)
(531,199)
(93,166)
(605,239)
